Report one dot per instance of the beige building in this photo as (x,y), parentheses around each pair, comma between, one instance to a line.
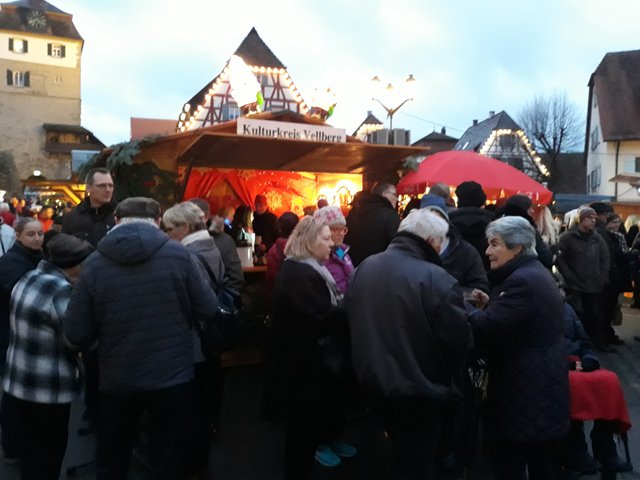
(613,128)
(40,63)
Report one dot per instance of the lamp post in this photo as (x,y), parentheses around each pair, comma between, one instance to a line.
(389,93)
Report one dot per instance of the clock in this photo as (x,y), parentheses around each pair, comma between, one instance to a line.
(36,19)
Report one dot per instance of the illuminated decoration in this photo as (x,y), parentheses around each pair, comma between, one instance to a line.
(392,96)
(323,104)
(37,173)
(369,125)
(219,103)
(340,194)
(490,148)
(245,89)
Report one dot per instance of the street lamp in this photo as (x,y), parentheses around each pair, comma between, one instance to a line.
(392,94)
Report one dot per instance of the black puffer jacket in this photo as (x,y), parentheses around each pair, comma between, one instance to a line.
(88,223)
(472,222)
(13,265)
(372,225)
(138,296)
(463,262)
(409,332)
(522,332)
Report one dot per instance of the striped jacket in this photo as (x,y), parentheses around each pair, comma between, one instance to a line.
(40,368)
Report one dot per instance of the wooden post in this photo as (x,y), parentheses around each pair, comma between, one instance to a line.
(187,174)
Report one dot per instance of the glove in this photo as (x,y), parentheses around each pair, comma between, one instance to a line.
(589,364)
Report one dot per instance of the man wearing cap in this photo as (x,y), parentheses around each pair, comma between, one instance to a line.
(136,300)
(471,219)
(373,222)
(93,217)
(583,261)
(42,372)
(265,225)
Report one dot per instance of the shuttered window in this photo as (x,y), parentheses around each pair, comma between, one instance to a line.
(18,78)
(18,45)
(56,50)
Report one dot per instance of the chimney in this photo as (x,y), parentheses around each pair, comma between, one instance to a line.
(443,131)
(369,112)
(475,121)
(492,113)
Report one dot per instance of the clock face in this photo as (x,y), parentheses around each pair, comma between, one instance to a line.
(36,19)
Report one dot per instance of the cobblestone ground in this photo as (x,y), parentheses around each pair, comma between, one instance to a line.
(249,448)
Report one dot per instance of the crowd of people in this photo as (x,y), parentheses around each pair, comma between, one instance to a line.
(400,314)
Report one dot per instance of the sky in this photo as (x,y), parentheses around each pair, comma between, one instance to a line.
(146,58)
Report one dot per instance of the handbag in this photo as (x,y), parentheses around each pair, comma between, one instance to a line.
(221,332)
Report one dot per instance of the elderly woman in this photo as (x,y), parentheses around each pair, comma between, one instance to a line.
(521,331)
(308,316)
(185,223)
(339,262)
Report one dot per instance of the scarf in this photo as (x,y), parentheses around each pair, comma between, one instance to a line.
(336,296)
(196,236)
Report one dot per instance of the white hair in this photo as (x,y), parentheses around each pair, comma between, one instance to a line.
(514,231)
(425,224)
(4,207)
(122,221)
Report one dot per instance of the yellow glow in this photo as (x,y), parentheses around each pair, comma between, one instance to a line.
(186,107)
(341,193)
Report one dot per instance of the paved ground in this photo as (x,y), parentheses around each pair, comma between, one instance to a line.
(249,448)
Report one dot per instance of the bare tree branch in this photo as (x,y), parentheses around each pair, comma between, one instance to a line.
(554,126)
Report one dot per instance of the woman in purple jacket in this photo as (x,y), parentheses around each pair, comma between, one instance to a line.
(339,263)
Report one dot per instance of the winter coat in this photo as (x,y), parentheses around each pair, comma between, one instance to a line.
(472,222)
(522,333)
(583,261)
(619,261)
(340,267)
(409,332)
(13,265)
(463,262)
(275,258)
(204,248)
(303,314)
(7,237)
(577,342)
(89,223)
(138,296)
(265,225)
(372,225)
(233,274)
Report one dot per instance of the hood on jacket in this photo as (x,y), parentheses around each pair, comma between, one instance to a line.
(132,243)
(471,220)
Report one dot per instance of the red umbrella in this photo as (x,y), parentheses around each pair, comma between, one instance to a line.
(453,167)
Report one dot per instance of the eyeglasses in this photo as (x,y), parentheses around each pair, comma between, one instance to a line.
(167,229)
(339,229)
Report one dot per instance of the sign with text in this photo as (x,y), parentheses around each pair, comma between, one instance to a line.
(292,131)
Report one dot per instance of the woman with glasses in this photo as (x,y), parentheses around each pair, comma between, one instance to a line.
(339,263)
(22,257)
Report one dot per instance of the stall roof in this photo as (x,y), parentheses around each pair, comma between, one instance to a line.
(219,146)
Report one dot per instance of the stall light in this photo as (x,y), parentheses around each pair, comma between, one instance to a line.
(186,107)
(245,89)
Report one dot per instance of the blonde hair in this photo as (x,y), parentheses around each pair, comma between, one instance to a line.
(185,213)
(631,220)
(304,238)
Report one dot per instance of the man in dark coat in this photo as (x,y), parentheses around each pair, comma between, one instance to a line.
(93,217)
(410,339)
(373,223)
(583,262)
(136,300)
(470,218)
(611,290)
(265,225)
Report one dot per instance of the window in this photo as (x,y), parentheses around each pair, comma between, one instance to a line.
(230,111)
(594,178)
(595,99)
(57,80)
(18,45)
(56,50)
(18,78)
(595,139)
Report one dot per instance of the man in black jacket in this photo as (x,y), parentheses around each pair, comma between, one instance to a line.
(93,217)
(373,222)
(410,339)
(136,301)
(470,218)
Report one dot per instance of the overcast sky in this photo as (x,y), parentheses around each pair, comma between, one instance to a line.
(146,58)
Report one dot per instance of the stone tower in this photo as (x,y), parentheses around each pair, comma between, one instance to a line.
(40,56)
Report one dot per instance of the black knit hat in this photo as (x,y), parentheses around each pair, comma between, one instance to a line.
(601,207)
(140,207)
(521,201)
(470,194)
(66,251)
